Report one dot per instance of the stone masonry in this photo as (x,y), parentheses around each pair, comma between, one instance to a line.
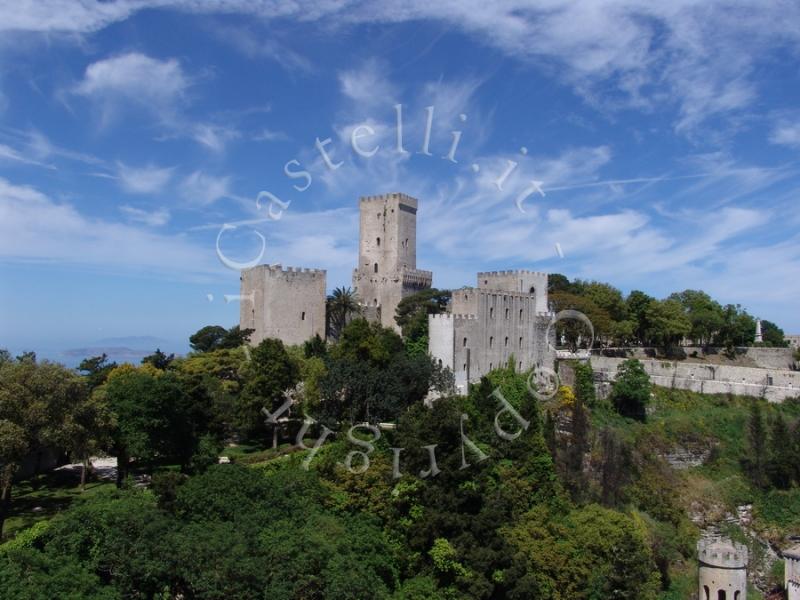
(505,315)
(387,256)
(723,570)
(288,304)
(792,572)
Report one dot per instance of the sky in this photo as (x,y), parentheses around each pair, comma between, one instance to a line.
(150,149)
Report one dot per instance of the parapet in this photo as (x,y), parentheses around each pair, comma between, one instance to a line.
(453,317)
(417,277)
(511,272)
(392,197)
(277,271)
(722,554)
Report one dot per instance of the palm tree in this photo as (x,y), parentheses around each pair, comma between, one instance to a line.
(341,305)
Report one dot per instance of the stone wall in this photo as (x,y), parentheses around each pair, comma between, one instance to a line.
(287,304)
(774,385)
(765,358)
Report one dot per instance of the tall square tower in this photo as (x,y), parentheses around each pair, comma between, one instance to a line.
(387,255)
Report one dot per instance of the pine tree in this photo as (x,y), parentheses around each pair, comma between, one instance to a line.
(756,460)
(780,466)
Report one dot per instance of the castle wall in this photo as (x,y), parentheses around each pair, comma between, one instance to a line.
(792,575)
(522,281)
(500,324)
(287,304)
(774,385)
(764,358)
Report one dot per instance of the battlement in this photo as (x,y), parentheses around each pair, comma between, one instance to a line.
(490,274)
(418,277)
(393,196)
(723,554)
(278,271)
(453,317)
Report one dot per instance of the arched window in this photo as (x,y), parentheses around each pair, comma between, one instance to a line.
(707,593)
(506,342)
(465,343)
(520,341)
(736,595)
(491,312)
(506,313)
(440,362)
(491,342)
(520,314)
(532,290)
(379,242)
(376,267)
(721,595)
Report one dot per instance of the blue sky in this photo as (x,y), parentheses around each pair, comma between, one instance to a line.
(665,139)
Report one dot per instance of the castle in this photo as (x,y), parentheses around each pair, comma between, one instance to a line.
(723,570)
(505,316)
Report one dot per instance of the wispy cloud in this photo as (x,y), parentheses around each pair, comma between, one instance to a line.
(200,188)
(150,179)
(35,228)
(153,218)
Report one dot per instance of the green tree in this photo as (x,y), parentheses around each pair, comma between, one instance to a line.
(738,328)
(35,401)
(755,461)
(271,373)
(637,303)
(705,315)
(667,322)
(412,312)
(772,334)
(340,307)
(584,383)
(781,456)
(216,337)
(159,359)
(96,369)
(556,282)
(630,391)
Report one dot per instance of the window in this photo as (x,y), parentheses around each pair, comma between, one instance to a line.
(491,366)
(465,366)
(491,312)
(379,242)
(406,244)
(303,316)
(520,366)
(520,314)
(485,282)
(707,593)
(520,341)
(440,362)
(465,343)
(506,313)
(376,267)
(532,290)
(491,342)
(506,342)
(721,595)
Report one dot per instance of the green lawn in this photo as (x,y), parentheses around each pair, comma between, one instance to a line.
(44,496)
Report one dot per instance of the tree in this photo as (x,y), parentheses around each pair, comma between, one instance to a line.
(315,347)
(556,282)
(738,328)
(772,334)
(159,360)
(630,391)
(637,303)
(96,369)
(781,456)
(667,322)
(705,315)
(86,430)
(216,337)
(412,312)
(755,461)
(341,305)
(584,383)
(271,373)
(35,400)
(575,480)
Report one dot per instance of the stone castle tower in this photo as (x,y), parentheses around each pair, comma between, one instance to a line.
(792,572)
(288,304)
(387,256)
(723,570)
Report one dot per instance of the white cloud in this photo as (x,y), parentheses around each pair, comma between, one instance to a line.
(134,78)
(786,134)
(201,188)
(213,137)
(268,135)
(143,180)
(35,228)
(696,54)
(154,218)
(368,85)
